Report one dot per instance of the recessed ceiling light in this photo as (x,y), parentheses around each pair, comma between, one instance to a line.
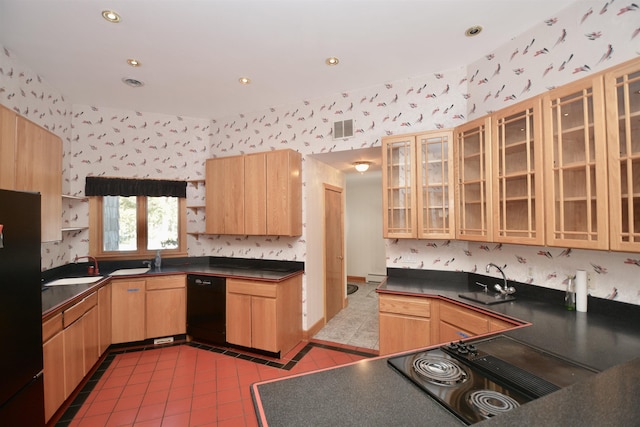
(473,31)
(110,16)
(244,80)
(132,82)
(134,62)
(332,61)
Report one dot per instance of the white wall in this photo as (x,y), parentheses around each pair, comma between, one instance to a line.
(363,224)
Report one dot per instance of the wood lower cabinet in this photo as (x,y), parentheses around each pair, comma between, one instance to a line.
(104,318)
(458,322)
(53,359)
(166,306)
(127,310)
(70,349)
(405,323)
(265,315)
(410,322)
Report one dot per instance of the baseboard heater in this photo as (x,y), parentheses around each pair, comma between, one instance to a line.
(375,278)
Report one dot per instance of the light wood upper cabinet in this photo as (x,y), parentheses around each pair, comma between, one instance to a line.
(473,181)
(284,193)
(576,192)
(31,160)
(417,177)
(225,195)
(517,166)
(255,194)
(398,181)
(435,194)
(7,148)
(623,130)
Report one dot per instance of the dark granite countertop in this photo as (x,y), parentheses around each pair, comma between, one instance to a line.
(54,297)
(371,393)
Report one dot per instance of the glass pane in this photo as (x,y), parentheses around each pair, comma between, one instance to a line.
(162,223)
(119,228)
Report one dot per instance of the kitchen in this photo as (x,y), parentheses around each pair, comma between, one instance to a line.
(180,140)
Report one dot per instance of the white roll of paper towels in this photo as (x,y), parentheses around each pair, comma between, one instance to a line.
(581,290)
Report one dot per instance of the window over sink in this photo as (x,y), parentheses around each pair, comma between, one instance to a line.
(133,218)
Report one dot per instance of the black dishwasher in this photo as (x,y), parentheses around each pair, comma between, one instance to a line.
(206,308)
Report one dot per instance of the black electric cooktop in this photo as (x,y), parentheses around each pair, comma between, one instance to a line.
(482,379)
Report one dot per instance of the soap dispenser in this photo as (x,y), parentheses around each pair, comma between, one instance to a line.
(158,261)
(570,294)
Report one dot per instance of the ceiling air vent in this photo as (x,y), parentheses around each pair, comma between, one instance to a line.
(343,129)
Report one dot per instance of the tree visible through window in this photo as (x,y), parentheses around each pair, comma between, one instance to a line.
(139,225)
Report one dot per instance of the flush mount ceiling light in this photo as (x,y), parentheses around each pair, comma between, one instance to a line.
(132,82)
(362,166)
(473,31)
(134,62)
(111,16)
(244,80)
(332,61)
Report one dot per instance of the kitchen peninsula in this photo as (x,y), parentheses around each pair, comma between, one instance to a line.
(372,393)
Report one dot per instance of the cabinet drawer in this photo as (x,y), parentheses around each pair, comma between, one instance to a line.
(76,311)
(413,306)
(464,318)
(248,287)
(166,282)
(51,327)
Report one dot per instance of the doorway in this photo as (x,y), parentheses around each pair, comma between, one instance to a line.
(334,287)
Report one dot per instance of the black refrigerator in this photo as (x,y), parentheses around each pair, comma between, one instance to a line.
(21,382)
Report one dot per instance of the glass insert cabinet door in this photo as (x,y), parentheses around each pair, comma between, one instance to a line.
(473,181)
(517,174)
(623,130)
(576,171)
(435,201)
(398,177)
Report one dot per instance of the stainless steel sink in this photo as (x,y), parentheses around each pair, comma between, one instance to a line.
(74,281)
(130,271)
(487,298)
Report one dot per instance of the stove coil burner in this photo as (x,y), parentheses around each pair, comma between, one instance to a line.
(438,370)
(490,403)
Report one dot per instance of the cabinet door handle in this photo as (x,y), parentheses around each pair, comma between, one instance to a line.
(133,290)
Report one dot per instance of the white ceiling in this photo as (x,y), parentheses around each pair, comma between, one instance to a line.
(193,51)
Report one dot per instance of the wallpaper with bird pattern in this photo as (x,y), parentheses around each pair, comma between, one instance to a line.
(585,38)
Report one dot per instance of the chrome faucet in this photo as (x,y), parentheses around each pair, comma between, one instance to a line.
(504,289)
(93,270)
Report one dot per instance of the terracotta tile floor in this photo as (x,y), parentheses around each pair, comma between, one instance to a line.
(190,384)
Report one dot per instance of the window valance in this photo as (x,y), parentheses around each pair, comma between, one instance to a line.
(101,186)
